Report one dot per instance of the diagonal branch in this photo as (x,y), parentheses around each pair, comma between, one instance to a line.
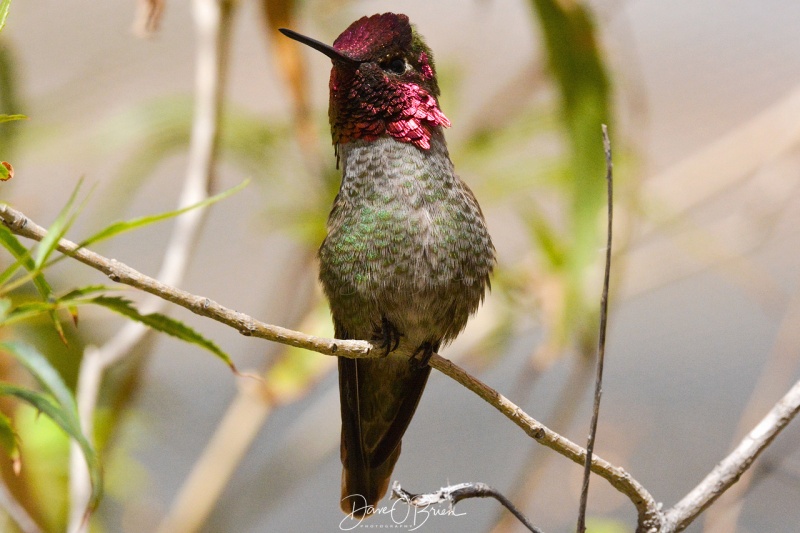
(727,472)
(21,225)
(646,506)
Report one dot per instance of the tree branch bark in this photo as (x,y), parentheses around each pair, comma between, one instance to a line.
(728,471)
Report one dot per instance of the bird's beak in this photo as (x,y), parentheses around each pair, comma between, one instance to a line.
(319,46)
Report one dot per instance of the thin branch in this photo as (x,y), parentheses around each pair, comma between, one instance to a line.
(776,375)
(18,223)
(212,22)
(119,272)
(727,472)
(455,493)
(601,342)
(646,506)
(533,471)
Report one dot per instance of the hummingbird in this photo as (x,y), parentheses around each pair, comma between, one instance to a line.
(407,256)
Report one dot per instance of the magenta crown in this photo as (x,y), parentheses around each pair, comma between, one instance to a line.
(366,36)
(366,101)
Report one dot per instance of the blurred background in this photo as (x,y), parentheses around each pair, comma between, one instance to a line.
(703,103)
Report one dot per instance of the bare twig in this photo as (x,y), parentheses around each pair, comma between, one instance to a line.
(455,493)
(727,472)
(533,471)
(646,506)
(601,341)
(776,375)
(212,21)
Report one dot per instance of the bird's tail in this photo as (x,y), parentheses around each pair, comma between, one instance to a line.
(378,398)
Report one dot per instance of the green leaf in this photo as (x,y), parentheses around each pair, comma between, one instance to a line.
(50,242)
(23,256)
(10,100)
(68,423)
(576,62)
(4,6)
(47,376)
(6,171)
(56,230)
(121,227)
(80,292)
(28,310)
(10,441)
(5,307)
(162,323)
(11,118)
(577,65)
(70,301)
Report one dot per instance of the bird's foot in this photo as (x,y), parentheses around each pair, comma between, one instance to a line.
(388,336)
(422,356)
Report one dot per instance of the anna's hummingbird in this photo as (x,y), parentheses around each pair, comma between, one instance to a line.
(407,257)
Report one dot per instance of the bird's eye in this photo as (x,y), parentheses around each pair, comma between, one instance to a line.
(396,65)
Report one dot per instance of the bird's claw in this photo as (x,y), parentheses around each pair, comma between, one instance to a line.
(426,350)
(389,337)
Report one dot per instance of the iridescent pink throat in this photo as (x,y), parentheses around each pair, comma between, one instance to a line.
(408,114)
(415,121)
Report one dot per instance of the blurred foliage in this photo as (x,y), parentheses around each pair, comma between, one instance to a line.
(45,450)
(570,252)
(5,5)
(57,403)
(601,525)
(10,441)
(150,132)
(56,400)
(296,371)
(10,101)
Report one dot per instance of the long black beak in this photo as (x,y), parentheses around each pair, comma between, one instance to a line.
(319,46)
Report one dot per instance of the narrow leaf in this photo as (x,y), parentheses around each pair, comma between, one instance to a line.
(23,256)
(120,227)
(27,311)
(10,442)
(164,324)
(11,118)
(47,376)
(66,422)
(81,292)
(5,307)
(56,230)
(48,245)
(4,6)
